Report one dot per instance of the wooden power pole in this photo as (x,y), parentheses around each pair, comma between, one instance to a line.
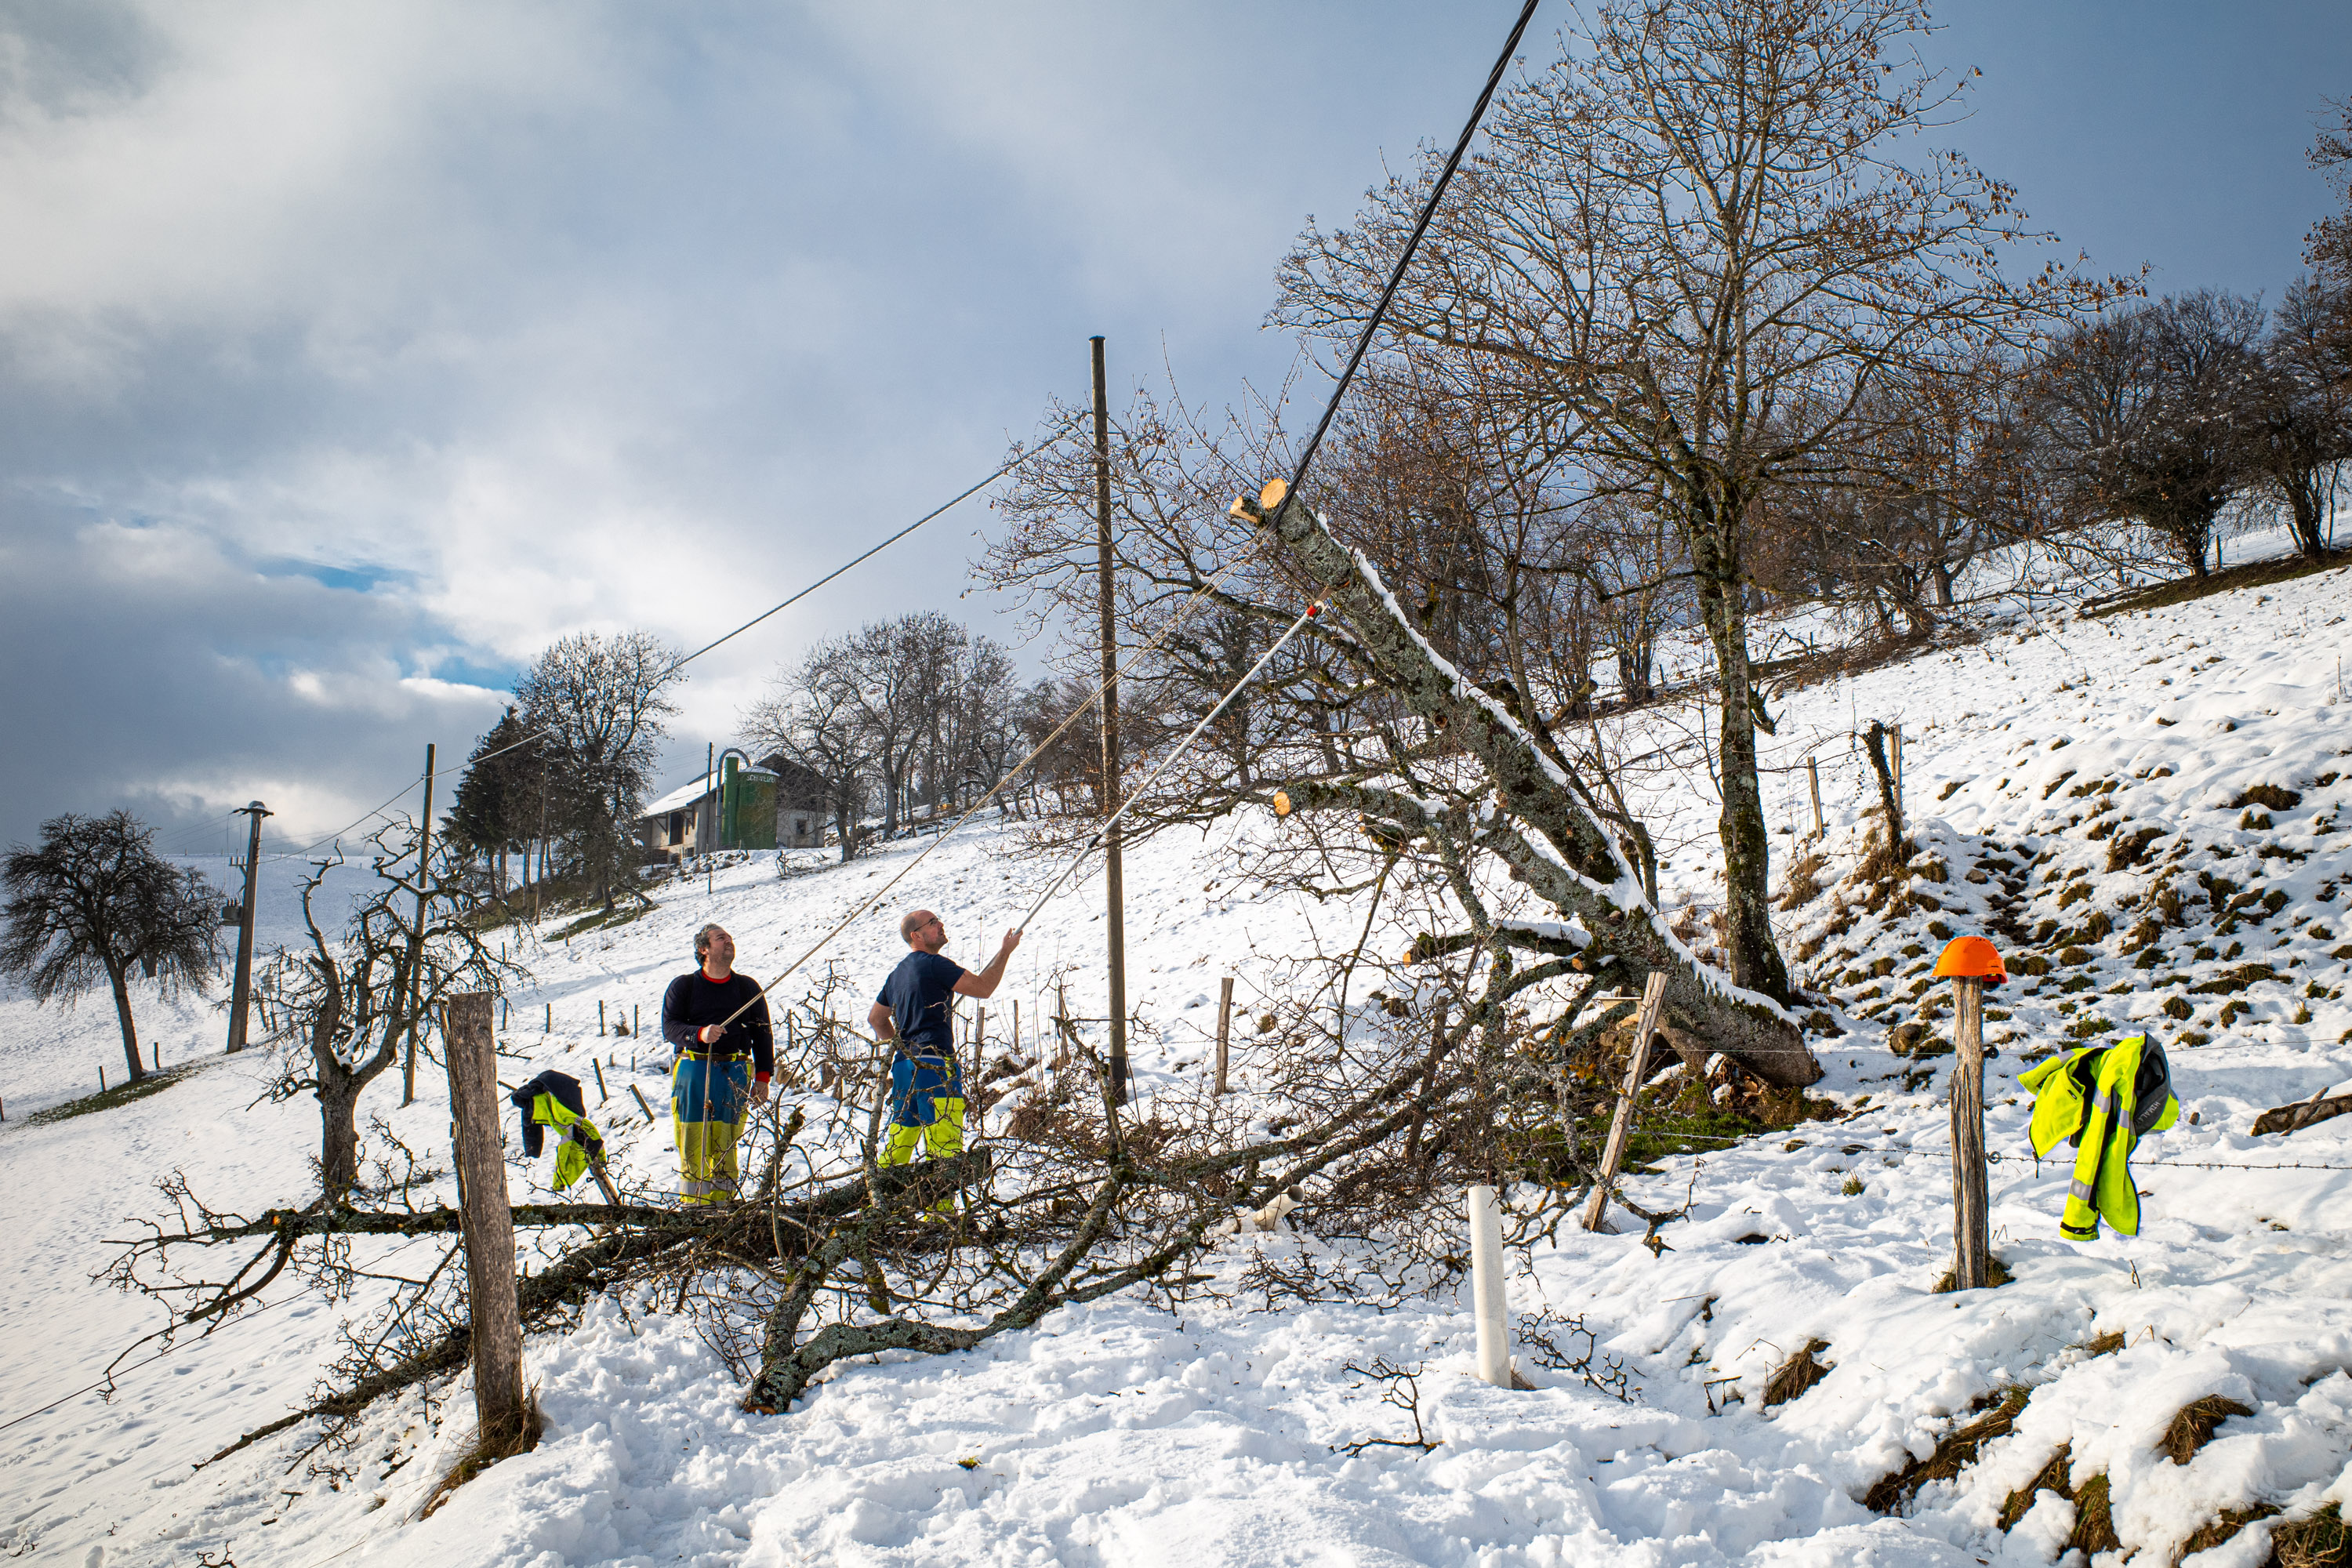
(416,941)
(241,988)
(497,1320)
(1113,884)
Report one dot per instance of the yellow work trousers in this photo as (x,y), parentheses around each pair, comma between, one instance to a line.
(942,1136)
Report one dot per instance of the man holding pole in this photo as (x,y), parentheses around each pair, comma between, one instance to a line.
(711,1088)
(915,1010)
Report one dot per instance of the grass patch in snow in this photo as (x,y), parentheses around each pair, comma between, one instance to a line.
(107,1100)
(1954,1452)
(2193,1428)
(2321,1540)
(2252,575)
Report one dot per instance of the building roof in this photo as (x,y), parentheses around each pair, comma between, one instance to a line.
(691,793)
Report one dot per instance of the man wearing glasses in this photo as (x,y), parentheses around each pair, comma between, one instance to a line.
(916,1010)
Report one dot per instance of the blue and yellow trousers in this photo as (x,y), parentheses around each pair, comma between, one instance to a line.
(926,1112)
(709,1101)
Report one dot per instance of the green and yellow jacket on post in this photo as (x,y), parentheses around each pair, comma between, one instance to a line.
(554,1099)
(2102,1098)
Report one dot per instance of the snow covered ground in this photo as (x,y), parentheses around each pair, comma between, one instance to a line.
(1120,1434)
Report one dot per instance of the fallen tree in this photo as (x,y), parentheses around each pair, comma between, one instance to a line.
(1521,802)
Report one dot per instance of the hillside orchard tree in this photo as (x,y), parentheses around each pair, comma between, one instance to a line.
(2302,408)
(92,901)
(341,1002)
(2149,414)
(1691,250)
(602,703)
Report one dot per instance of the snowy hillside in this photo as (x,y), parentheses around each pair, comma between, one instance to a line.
(2144,810)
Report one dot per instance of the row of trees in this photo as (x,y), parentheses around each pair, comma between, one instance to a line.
(1696,333)
(907,718)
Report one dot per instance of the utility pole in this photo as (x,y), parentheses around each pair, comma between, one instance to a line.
(1113,883)
(417,940)
(241,989)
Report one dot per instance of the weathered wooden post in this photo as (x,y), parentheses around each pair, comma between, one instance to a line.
(1224,1027)
(1813,782)
(1971,1243)
(642,1105)
(600,1095)
(1971,962)
(600,1019)
(1621,1124)
(1487,1288)
(496,1318)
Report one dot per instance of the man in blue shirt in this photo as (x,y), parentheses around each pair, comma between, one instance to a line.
(916,1009)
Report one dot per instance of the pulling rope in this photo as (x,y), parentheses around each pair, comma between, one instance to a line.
(759,992)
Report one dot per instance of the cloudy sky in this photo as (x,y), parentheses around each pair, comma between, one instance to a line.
(349,352)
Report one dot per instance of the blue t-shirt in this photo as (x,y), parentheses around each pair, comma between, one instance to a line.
(919,994)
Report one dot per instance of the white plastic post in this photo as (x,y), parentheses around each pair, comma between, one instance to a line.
(1486,1286)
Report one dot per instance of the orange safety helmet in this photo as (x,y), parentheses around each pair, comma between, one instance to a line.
(1971,957)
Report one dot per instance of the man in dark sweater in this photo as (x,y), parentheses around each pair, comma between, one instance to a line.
(916,1010)
(711,1085)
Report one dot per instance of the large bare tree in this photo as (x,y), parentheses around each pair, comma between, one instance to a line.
(92,901)
(1692,241)
(602,702)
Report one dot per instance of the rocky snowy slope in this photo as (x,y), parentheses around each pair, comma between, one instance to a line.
(2142,809)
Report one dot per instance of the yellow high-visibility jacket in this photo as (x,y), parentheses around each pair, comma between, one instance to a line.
(2102,1097)
(554,1100)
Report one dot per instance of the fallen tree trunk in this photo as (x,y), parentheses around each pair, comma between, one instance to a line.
(1544,823)
(2301,1114)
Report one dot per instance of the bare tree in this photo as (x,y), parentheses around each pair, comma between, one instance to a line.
(2302,408)
(601,699)
(94,901)
(1692,239)
(814,714)
(342,1005)
(2149,414)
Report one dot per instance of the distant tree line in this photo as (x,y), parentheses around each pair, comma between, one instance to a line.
(903,721)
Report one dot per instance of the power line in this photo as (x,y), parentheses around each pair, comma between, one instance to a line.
(962,496)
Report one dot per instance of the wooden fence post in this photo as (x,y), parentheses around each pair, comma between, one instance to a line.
(1971,1246)
(602,1095)
(1813,782)
(1621,1125)
(600,1020)
(496,1317)
(1224,1027)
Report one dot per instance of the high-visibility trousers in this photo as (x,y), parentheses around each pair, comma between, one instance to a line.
(709,1102)
(926,1112)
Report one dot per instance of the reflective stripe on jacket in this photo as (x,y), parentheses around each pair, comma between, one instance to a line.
(2101,1098)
